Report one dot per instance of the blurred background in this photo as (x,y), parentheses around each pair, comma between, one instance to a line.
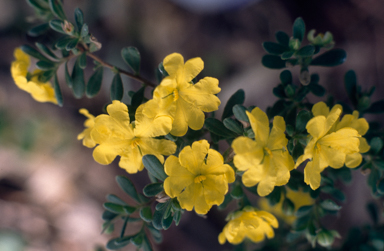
(51,189)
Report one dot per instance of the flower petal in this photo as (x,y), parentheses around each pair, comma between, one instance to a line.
(192,68)
(353,160)
(260,125)
(248,153)
(193,157)
(277,139)
(345,140)
(151,127)
(320,109)
(132,161)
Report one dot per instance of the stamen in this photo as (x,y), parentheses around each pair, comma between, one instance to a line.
(199,178)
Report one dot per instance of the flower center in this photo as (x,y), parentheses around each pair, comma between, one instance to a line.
(267,151)
(200,178)
(135,142)
(175,95)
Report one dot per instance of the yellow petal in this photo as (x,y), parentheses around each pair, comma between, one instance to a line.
(173,63)
(192,68)
(215,187)
(283,163)
(269,218)
(132,161)
(333,157)
(201,94)
(277,139)
(157,146)
(179,177)
(248,153)
(345,140)
(316,126)
(107,152)
(215,165)
(253,176)
(193,157)
(320,109)
(260,125)
(268,182)
(312,175)
(222,238)
(353,160)
(193,196)
(151,127)
(364,146)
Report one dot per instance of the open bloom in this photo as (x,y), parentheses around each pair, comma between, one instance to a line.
(349,120)
(265,160)
(115,135)
(198,178)
(299,199)
(86,134)
(42,92)
(328,146)
(179,98)
(249,223)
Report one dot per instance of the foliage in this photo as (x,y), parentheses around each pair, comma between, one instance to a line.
(194,177)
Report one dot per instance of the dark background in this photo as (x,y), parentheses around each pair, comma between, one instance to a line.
(51,190)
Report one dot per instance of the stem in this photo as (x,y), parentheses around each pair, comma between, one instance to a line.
(105,64)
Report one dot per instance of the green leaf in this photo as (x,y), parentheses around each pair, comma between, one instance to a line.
(64,41)
(58,95)
(273,62)
(129,209)
(282,38)
(112,245)
(78,80)
(299,29)
(167,222)
(107,215)
(123,240)
(304,210)
(288,207)
(237,192)
(153,189)
(158,219)
(33,53)
(137,98)
(146,246)
(350,82)
(46,50)
(317,90)
(94,83)
(127,186)
(38,5)
(217,127)
(376,144)
(306,51)
(57,25)
(45,65)
(233,125)
(274,48)
(117,90)
(38,30)
(146,214)
(239,112)
(154,166)
(330,58)
(286,77)
(287,54)
(68,78)
(72,44)
(57,9)
(79,18)
(45,76)
(236,99)
(116,200)
(114,208)
(84,31)
(132,57)
(330,205)
(302,119)
(376,107)
(325,238)
(83,60)
(137,240)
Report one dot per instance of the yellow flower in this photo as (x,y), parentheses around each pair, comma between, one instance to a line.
(86,134)
(298,198)
(179,98)
(265,160)
(42,92)
(328,146)
(117,136)
(349,120)
(249,223)
(198,178)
